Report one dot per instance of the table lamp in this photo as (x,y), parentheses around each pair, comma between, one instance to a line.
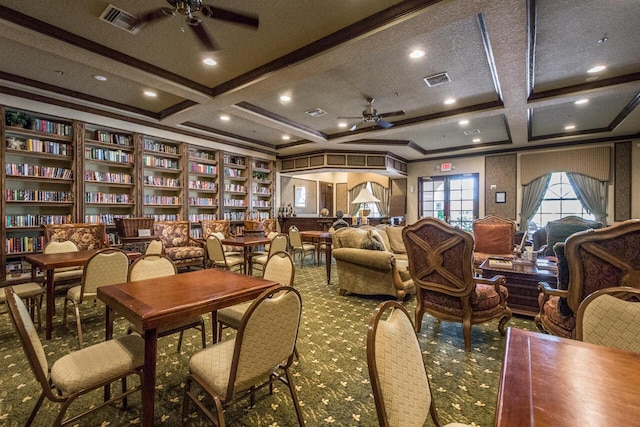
(363,198)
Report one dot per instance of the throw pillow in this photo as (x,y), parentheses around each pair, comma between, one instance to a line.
(395,240)
(368,242)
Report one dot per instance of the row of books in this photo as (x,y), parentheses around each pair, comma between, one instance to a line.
(233,173)
(160,162)
(261,204)
(234,216)
(203,185)
(202,217)
(150,199)
(26,169)
(35,220)
(15,245)
(161,181)
(47,126)
(112,177)
(159,147)
(233,160)
(37,196)
(114,138)
(47,147)
(204,169)
(99,197)
(202,155)
(202,201)
(235,187)
(93,153)
(104,218)
(235,203)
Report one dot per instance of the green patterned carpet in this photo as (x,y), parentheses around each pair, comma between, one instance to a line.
(331,375)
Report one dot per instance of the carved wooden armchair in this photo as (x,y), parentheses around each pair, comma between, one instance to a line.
(178,245)
(596,259)
(493,236)
(441,265)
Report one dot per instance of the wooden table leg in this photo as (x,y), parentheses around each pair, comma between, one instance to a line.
(149,377)
(50,304)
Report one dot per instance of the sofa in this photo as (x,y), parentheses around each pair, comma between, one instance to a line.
(372,261)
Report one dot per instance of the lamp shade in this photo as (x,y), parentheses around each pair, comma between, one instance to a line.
(365,196)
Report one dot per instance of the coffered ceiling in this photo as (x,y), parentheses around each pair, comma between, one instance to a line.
(515,70)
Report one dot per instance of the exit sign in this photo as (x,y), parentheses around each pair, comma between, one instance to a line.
(446,167)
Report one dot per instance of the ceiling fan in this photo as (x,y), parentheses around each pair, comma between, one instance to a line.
(370,115)
(188,8)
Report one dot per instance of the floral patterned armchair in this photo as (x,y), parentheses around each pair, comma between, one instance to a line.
(594,259)
(84,235)
(441,265)
(178,245)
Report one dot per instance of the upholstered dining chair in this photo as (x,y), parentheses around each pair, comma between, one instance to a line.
(611,317)
(595,259)
(279,243)
(441,266)
(261,352)
(279,268)
(66,274)
(300,247)
(150,267)
(31,293)
(79,372)
(105,267)
(399,380)
(154,247)
(216,256)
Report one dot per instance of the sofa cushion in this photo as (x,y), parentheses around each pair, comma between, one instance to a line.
(382,231)
(395,239)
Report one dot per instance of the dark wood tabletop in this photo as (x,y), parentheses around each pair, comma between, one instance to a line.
(552,381)
(153,303)
(247,243)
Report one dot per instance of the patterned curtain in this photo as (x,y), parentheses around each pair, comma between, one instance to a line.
(532,195)
(592,193)
(382,194)
(353,193)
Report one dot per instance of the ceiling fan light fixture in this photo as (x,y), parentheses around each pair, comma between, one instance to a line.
(210,61)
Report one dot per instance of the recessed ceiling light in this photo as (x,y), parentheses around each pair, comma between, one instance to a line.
(449,101)
(581,101)
(416,54)
(285,98)
(463,122)
(342,125)
(476,140)
(100,78)
(286,137)
(596,69)
(570,127)
(150,93)
(225,118)
(209,61)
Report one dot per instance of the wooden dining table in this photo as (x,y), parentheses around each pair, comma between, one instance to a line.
(247,243)
(320,237)
(553,381)
(49,262)
(151,304)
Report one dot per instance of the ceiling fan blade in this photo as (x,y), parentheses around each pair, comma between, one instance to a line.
(354,127)
(230,16)
(154,15)
(384,124)
(392,113)
(200,32)
(350,118)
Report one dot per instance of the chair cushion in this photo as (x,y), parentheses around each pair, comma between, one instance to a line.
(213,365)
(96,364)
(24,290)
(484,300)
(184,252)
(554,321)
(233,315)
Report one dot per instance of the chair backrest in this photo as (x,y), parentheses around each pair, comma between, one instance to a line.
(57,247)
(106,267)
(151,266)
(561,229)
(215,250)
(440,257)
(30,340)
(398,376)
(270,226)
(266,337)
(280,268)
(494,234)
(602,258)
(84,235)
(172,233)
(220,225)
(611,317)
(278,244)
(154,247)
(294,238)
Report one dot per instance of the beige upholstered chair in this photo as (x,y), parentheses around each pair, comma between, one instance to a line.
(66,274)
(398,376)
(154,247)
(31,293)
(278,244)
(279,268)
(441,265)
(261,352)
(300,247)
(150,267)
(611,317)
(216,256)
(106,267)
(79,372)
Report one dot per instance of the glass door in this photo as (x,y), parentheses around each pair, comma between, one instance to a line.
(452,198)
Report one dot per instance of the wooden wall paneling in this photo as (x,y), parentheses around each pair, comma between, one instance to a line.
(622,181)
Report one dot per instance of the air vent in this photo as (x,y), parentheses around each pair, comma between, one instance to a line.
(472,132)
(120,19)
(437,79)
(315,112)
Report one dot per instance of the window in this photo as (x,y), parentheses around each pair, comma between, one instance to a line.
(453,199)
(559,201)
(375,212)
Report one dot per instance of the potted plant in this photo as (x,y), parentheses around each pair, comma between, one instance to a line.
(17,119)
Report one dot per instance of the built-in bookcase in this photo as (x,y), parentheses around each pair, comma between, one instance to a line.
(38,184)
(235,198)
(262,188)
(163,184)
(202,187)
